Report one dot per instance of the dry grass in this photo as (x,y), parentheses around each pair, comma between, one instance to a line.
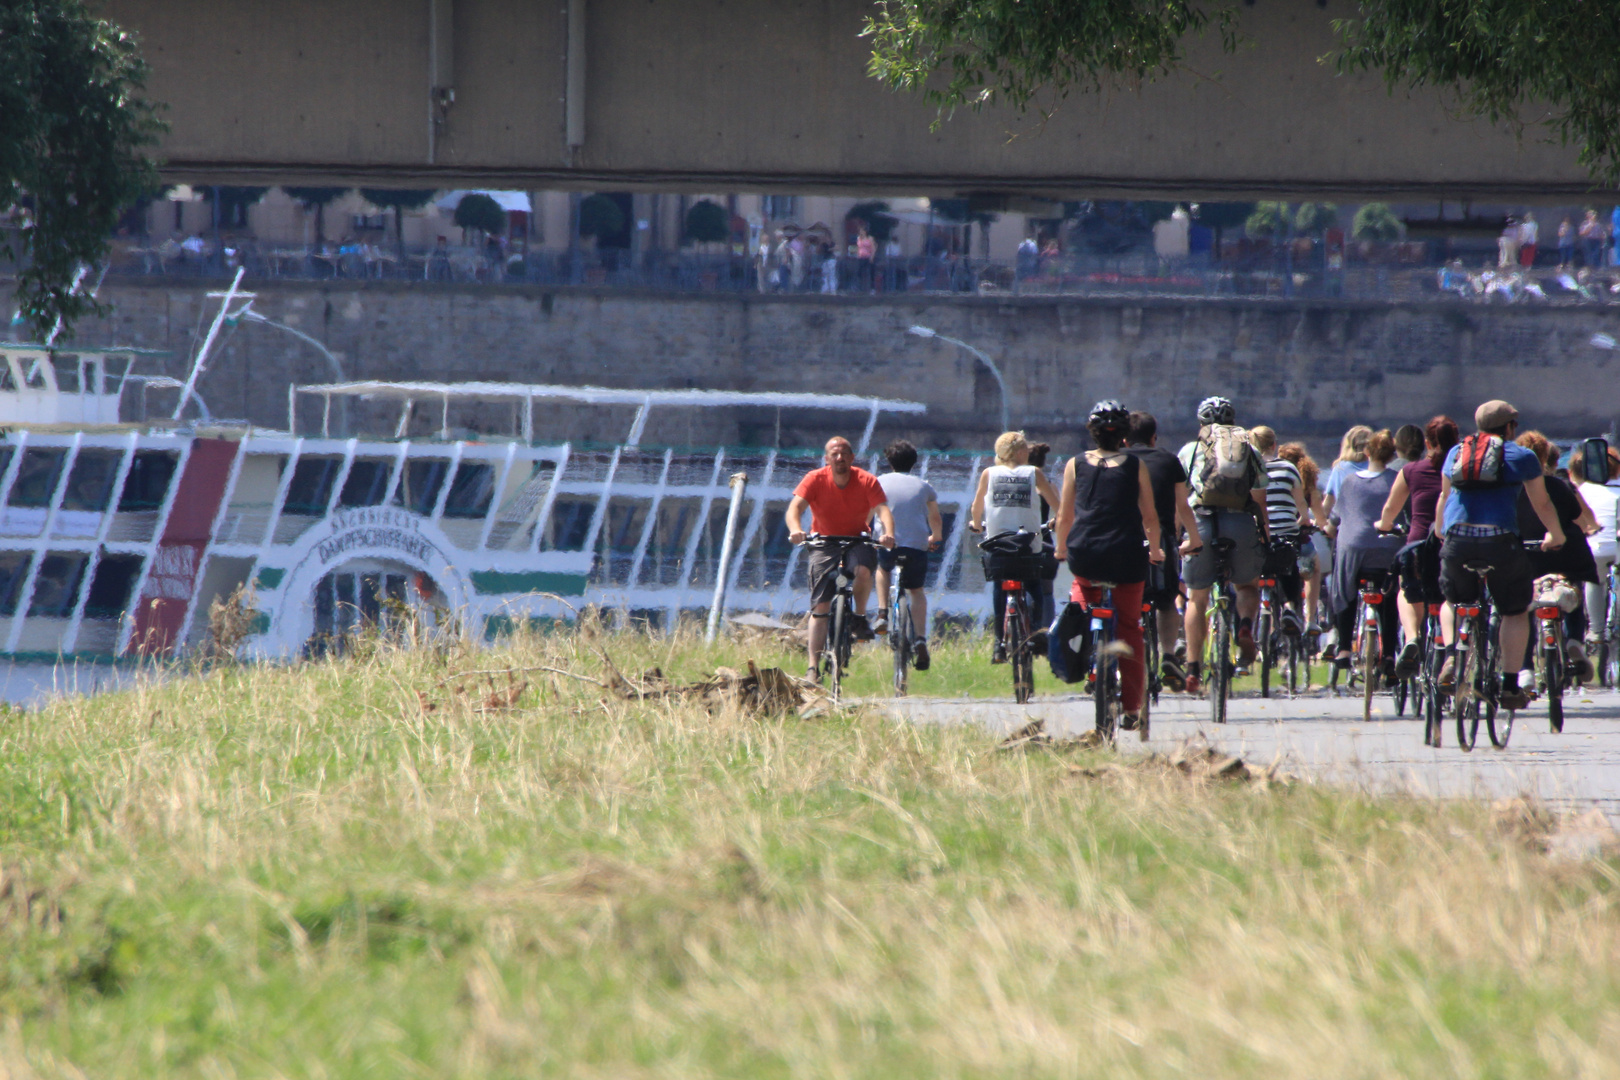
(373,867)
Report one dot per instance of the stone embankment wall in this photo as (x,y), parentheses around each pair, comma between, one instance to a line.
(1308,369)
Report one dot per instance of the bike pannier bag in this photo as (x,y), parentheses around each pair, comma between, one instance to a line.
(1224,478)
(1068,644)
(1479,462)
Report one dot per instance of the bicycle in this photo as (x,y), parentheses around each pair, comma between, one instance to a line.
(1479,677)
(901,638)
(1222,629)
(1107,687)
(1431,700)
(1010,563)
(835,656)
(1551,657)
(1277,629)
(1367,654)
(1608,661)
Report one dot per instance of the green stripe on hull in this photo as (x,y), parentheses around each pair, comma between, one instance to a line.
(495,582)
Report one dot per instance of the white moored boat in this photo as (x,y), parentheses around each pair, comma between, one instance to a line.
(116,536)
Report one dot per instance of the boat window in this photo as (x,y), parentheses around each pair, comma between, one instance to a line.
(111,586)
(37,477)
(90,482)
(13,569)
(367,483)
(419,487)
(116,367)
(148,481)
(311,489)
(471,491)
(36,374)
(8,381)
(67,373)
(56,589)
(569,524)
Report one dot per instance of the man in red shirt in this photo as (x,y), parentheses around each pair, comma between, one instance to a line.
(841,499)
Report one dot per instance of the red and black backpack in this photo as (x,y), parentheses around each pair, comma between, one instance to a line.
(1479,461)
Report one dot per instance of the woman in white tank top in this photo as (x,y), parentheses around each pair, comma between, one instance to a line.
(1006,501)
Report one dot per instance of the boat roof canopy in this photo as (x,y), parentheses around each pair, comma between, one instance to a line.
(408,393)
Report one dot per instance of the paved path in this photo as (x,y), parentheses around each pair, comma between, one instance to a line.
(1325,738)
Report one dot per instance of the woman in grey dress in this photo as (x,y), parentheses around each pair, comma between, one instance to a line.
(1361,548)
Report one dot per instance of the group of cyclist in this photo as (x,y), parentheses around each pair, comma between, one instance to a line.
(1430,505)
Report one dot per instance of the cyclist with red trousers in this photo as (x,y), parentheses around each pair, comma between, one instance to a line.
(1107,515)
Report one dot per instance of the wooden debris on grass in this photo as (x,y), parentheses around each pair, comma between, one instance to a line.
(766,691)
(758,627)
(1567,836)
(1193,758)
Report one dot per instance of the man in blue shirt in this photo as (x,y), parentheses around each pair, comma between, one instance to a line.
(1481,525)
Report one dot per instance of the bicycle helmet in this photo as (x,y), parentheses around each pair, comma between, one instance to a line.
(1216,410)
(1108,414)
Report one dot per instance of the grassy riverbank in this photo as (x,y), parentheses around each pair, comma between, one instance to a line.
(352,869)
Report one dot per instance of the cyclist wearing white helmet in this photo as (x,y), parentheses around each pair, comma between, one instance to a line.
(1227,477)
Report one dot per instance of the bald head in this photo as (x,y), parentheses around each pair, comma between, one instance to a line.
(840,457)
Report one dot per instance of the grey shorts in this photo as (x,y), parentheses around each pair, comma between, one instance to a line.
(1248,557)
(824,570)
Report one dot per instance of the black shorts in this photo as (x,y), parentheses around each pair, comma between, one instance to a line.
(1420,575)
(914,574)
(1510,578)
(823,567)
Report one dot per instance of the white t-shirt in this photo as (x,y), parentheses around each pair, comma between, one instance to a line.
(1604,501)
(1010,500)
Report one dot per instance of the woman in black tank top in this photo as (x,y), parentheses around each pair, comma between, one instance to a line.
(1107,516)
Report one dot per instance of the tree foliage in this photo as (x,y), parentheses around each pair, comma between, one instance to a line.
(398,200)
(75,129)
(600,216)
(1275,220)
(1376,221)
(479,211)
(707,223)
(1501,59)
(1014,50)
(1550,61)
(875,214)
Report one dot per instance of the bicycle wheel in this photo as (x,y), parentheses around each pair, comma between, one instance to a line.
(900,636)
(1151,661)
(1429,702)
(1104,686)
(1498,721)
(1553,672)
(1268,651)
(1402,691)
(1220,665)
(1292,647)
(1370,660)
(835,645)
(1023,663)
(1467,693)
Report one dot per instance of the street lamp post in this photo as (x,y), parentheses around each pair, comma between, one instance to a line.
(1001,384)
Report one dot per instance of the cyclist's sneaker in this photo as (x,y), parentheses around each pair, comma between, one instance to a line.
(1037,642)
(1387,672)
(1515,698)
(1448,673)
(859,627)
(1246,647)
(1170,673)
(1313,639)
(812,674)
(1342,662)
(998,653)
(1288,620)
(919,655)
(1407,664)
(1194,683)
(1130,722)
(880,625)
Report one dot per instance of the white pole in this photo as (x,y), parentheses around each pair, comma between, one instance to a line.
(208,343)
(739,484)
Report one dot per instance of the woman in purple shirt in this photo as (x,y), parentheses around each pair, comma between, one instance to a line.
(1419,483)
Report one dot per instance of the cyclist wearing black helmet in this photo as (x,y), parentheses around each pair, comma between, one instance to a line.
(1107,516)
(1227,476)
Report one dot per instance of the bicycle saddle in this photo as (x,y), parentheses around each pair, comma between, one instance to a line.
(1223,543)
(1476,567)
